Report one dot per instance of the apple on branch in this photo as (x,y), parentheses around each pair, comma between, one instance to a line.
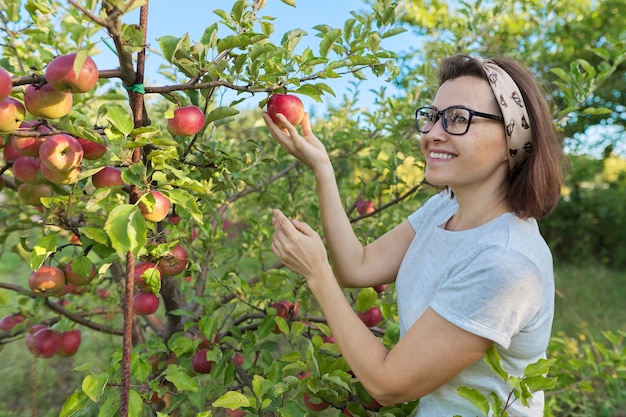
(44,101)
(29,145)
(107,177)
(9,153)
(146,275)
(314,404)
(61,153)
(200,363)
(187,121)
(371,317)
(288,105)
(46,343)
(91,150)
(6,84)
(61,73)
(173,261)
(69,343)
(26,169)
(145,303)
(9,321)
(80,271)
(46,280)
(12,114)
(31,194)
(154,206)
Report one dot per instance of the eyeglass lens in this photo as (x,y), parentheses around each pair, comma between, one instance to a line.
(454,120)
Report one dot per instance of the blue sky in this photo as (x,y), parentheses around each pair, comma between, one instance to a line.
(193,16)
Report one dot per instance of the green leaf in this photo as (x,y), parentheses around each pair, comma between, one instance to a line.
(221,112)
(493,359)
(539,368)
(46,246)
(93,386)
(117,116)
(110,408)
(232,400)
(74,404)
(95,234)
(126,229)
(366,299)
(292,38)
(180,379)
(328,41)
(135,403)
(475,397)
(186,202)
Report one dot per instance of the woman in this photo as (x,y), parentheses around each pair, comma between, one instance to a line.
(470,266)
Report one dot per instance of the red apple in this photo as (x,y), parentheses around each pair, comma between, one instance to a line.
(61,74)
(371,317)
(10,321)
(155,208)
(57,177)
(29,145)
(44,101)
(288,105)
(235,413)
(12,114)
(238,359)
(80,271)
(46,280)
(46,343)
(31,194)
(302,375)
(200,363)
(70,342)
(61,153)
(145,303)
(173,262)
(6,84)
(187,121)
(26,169)
(107,177)
(380,288)
(103,293)
(92,150)
(9,153)
(314,404)
(28,337)
(365,207)
(146,272)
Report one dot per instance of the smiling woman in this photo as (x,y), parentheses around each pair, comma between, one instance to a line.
(472,271)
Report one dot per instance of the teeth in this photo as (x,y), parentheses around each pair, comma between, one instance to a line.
(440,155)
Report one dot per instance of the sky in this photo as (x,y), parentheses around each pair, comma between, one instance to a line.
(193,16)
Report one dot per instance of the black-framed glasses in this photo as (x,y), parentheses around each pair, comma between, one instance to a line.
(455,119)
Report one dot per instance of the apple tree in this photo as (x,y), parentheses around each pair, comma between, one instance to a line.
(156,199)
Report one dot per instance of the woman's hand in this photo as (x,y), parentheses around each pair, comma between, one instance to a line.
(306,147)
(299,247)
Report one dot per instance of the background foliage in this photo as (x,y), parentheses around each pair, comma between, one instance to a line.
(225,181)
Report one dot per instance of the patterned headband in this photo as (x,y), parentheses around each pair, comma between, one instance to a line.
(511,103)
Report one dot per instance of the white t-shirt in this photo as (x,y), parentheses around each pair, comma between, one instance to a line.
(495,281)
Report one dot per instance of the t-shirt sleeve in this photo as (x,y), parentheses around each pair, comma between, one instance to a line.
(494,296)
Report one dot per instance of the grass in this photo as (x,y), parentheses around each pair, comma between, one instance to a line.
(589,299)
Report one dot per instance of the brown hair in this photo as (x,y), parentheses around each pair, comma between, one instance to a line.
(535,185)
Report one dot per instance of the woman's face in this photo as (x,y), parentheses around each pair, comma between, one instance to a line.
(475,158)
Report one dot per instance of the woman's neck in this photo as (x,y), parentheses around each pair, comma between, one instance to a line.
(476,209)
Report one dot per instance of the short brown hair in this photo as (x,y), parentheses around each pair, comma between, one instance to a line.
(535,184)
